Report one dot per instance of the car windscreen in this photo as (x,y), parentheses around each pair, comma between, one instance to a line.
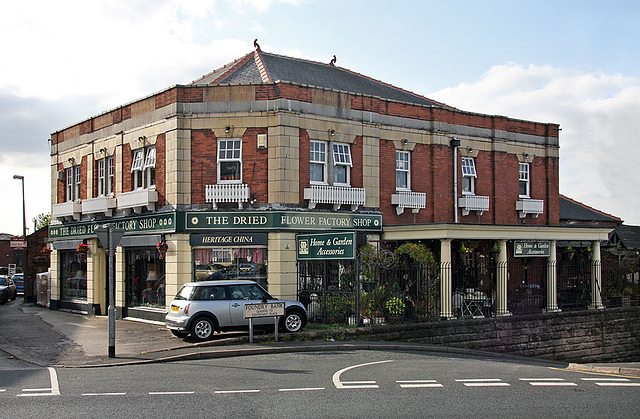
(185,292)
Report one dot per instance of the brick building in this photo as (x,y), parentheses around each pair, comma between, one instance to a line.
(229,169)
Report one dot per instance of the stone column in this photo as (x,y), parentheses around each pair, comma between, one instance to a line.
(501,283)
(282,269)
(445,279)
(596,277)
(552,279)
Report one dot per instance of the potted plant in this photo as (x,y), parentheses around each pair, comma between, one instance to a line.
(82,248)
(395,307)
(162,248)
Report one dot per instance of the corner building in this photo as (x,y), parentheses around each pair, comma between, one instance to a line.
(215,179)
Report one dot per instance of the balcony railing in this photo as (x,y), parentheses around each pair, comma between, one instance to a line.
(534,207)
(227,192)
(336,195)
(138,199)
(101,204)
(407,199)
(70,210)
(476,203)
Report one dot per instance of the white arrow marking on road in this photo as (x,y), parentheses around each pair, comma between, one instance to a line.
(356,384)
(53,391)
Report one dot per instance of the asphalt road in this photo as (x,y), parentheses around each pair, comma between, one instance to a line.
(355,384)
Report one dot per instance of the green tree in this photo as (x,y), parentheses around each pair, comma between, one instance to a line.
(41,220)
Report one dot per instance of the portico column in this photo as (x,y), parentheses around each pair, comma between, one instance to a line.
(501,286)
(596,276)
(445,279)
(552,279)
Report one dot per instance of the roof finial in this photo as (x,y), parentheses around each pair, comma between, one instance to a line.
(255,44)
(333,61)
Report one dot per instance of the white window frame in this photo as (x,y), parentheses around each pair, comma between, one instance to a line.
(68,174)
(318,157)
(105,176)
(143,168)
(524,177)
(233,154)
(76,181)
(403,167)
(469,176)
(341,153)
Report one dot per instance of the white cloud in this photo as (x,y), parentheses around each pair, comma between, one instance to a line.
(599,115)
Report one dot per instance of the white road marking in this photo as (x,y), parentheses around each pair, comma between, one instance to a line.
(548,382)
(483,382)
(36,392)
(419,384)
(606,379)
(612,382)
(103,394)
(155,393)
(302,389)
(2,390)
(236,391)
(355,384)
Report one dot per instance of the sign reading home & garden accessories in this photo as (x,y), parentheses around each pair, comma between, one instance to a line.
(530,248)
(326,246)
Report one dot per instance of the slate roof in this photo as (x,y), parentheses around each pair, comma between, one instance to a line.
(576,212)
(628,236)
(260,67)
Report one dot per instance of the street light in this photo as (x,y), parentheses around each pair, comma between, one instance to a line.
(24,216)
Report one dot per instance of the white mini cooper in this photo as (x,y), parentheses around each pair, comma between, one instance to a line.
(201,308)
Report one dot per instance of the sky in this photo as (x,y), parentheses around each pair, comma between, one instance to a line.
(574,63)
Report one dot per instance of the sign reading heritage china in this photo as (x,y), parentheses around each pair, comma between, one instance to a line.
(282,220)
(147,223)
(326,246)
(263,310)
(531,248)
(231,239)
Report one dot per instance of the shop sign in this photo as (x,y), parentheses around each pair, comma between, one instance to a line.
(228,240)
(18,242)
(326,246)
(530,248)
(146,223)
(282,220)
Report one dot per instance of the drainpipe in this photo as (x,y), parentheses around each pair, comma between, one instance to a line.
(455,143)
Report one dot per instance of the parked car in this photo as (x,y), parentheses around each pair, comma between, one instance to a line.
(18,280)
(201,308)
(7,289)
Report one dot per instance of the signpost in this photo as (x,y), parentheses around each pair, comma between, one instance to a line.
(252,311)
(531,248)
(109,238)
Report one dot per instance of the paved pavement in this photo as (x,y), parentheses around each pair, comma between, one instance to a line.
(58,338)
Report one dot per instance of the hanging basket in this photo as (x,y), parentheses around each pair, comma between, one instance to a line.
(162,249)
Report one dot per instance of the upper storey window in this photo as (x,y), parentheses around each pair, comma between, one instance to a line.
(468,176)
(230,160)
(143,168)
(105,176)
(525,180)
(72,183)
(403,171)
(318,162)
(342,164)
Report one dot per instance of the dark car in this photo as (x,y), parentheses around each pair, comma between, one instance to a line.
(200,308)
(7,289)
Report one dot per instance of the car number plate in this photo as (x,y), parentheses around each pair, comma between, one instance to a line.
(175,308)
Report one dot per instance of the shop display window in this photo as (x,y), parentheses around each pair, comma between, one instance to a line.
(216,263)
(73,275)
(145,278)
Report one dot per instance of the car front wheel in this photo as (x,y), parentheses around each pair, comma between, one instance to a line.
(202,329)
(292,322)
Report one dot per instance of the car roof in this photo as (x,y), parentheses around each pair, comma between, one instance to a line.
(231,282)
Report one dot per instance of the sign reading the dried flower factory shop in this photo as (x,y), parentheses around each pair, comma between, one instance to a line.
(142,224)
(539,248)
(326,246)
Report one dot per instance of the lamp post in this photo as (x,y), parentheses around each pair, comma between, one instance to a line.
(24,216)
(24,234)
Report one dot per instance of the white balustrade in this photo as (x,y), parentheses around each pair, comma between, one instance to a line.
(336,195)
(476,203)
(227,192)
(408,199)
(534,207)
